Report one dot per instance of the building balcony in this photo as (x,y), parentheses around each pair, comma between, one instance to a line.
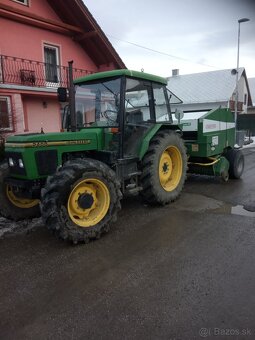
(239,106)
(31,73)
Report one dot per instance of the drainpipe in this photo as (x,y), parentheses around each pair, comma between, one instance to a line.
(72,97)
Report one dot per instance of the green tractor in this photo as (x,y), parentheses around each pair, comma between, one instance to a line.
(118,139)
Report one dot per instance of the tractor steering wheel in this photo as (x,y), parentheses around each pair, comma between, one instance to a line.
(110,115)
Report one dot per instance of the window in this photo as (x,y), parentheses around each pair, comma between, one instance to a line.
(97,104)
(138,115)
(51,58)
(161,109)
(245,99)
(5,114)
(23,2)
(137,100)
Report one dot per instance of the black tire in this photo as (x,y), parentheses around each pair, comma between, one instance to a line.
(57,197)
(11,204)
(236,163)
(153,190)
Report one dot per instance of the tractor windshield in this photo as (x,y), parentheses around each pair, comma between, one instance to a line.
(97,104)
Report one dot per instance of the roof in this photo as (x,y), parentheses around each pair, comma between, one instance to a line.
(251,82)
(123,72)
(206,87)
(90,36)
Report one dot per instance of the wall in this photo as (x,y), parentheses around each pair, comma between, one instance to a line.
(27,42)
(37,7)
(17,111)
(242,91)
(39,116)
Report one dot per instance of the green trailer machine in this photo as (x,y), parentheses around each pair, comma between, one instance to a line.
(210,141)
(118,139)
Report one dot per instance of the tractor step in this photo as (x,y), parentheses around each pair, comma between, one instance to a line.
(133,174)
(133,191)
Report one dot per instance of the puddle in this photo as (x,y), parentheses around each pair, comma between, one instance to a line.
(200,203)
(240,210)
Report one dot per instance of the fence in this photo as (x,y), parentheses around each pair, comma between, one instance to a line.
(19,71)
(246,122)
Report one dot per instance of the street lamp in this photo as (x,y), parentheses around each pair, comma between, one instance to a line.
(237,66)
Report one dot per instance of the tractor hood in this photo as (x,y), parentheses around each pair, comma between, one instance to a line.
(37,140)
(35,156)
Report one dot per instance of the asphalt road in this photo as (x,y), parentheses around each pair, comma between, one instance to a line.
(184,271)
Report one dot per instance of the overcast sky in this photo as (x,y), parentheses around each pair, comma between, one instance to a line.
(192,35)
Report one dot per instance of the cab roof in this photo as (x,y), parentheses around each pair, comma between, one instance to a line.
(119,73)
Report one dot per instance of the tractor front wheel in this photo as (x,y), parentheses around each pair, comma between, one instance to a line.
(13,205)
(164,168)
(81,200)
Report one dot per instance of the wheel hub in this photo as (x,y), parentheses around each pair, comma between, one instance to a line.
(165,167)
(85,201)
(88,202)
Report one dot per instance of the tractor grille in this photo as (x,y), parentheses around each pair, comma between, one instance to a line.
(46,161)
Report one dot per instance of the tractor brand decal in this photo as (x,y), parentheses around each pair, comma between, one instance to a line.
(77,142)
(215,125)
(45,143)
(215,140)
(195,147)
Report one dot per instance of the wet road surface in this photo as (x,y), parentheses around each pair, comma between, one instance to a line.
(184,271)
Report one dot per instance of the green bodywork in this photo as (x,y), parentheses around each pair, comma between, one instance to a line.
(65,142)
(85,140)
(215,132)
(207,139)
(120,73)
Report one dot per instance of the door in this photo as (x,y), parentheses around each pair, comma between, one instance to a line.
(139,115)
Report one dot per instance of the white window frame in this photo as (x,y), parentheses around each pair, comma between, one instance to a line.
(8,100)
(57,49)
(24,3)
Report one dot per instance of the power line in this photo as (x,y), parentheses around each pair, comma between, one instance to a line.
(159,52)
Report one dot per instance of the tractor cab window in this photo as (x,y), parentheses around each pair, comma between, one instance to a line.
(137,101)
(97,104)
(138,116)
(162,108)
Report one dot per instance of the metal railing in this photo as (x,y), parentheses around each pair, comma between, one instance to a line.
(19,71)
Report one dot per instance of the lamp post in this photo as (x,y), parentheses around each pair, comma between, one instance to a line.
(237,66)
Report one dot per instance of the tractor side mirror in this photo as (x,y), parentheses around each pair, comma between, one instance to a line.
(62,94)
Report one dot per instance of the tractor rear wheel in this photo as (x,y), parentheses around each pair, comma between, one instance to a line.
(81,200)
(164,168)
(13,205)
(236,163)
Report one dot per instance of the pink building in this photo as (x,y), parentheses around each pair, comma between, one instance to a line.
(38,38)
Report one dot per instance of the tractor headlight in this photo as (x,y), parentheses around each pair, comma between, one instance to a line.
(21,164)
(11,162)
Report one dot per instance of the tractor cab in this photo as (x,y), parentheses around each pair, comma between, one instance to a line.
(125,104)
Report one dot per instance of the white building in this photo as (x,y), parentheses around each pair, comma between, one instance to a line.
(209,90)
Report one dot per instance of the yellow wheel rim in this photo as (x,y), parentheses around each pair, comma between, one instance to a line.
(24,203)
(170,168)
(88,202)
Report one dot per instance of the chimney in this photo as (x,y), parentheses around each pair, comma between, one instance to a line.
(175,72)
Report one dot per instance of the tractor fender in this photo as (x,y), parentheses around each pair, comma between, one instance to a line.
(151,133)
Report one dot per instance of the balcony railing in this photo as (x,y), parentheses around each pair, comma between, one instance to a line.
(19,71)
